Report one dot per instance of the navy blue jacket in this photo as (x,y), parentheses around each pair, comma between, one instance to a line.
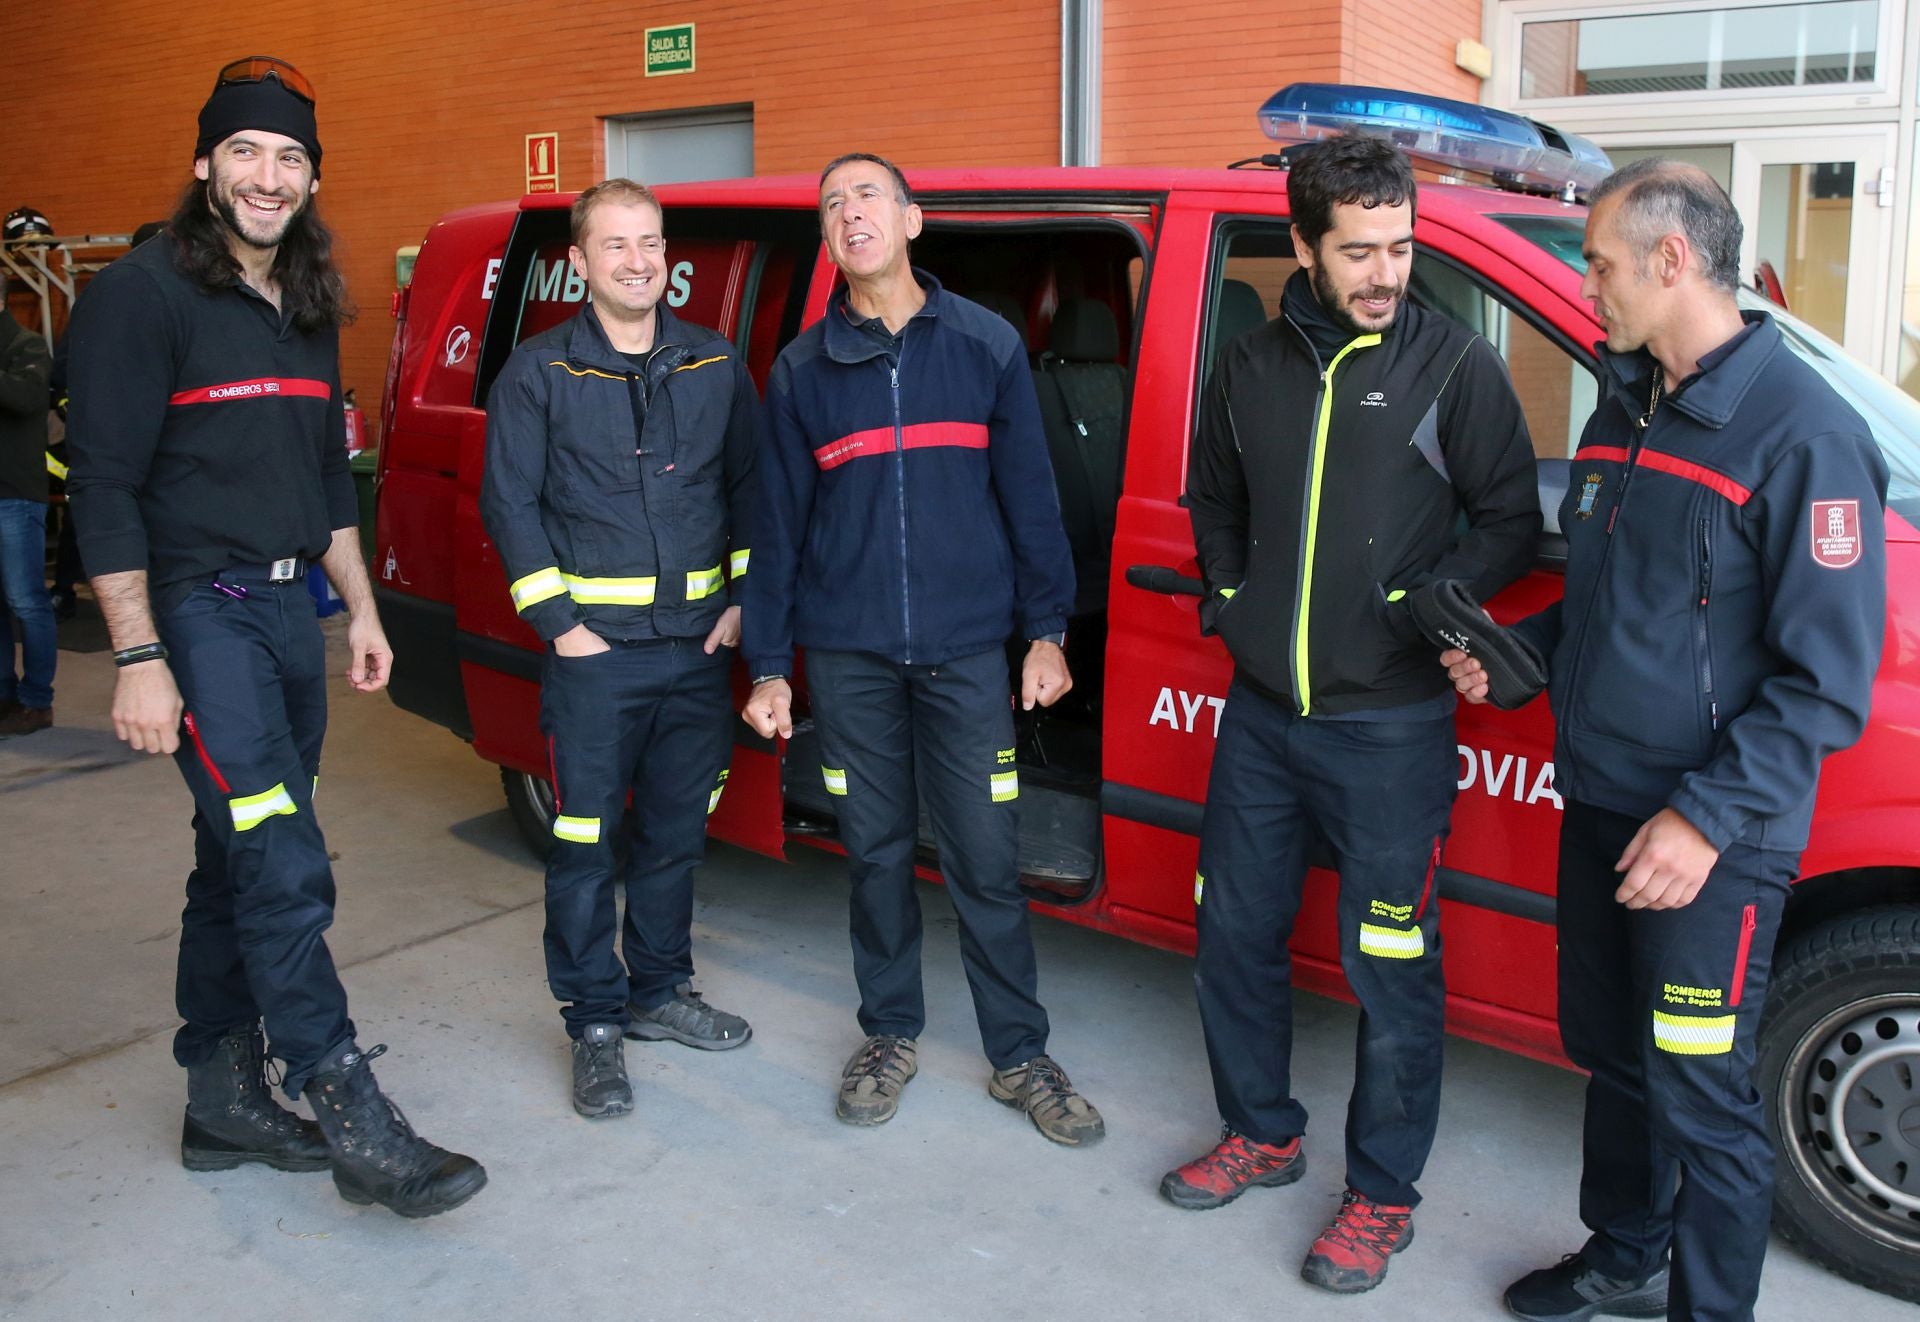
(1726,593)
(611,494)
(906,504)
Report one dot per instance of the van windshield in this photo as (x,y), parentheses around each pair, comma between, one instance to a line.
(1891,414)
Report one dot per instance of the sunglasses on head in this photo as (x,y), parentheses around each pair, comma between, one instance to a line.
(259,68)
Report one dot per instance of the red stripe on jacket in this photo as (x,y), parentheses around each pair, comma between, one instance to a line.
(265,387)
(1674,466)
(918,436)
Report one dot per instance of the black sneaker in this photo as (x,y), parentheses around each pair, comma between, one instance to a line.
(600,1086)
(688,1018)
(1572,1291)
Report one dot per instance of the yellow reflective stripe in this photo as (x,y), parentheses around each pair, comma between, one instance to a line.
(609,591)
(688,367)
(1396,594)
(1005,785)
(836,780)
(713,799)
(1199,884)
(1303,685)
(536,587)
(1392,942)
(585,371)
(252,809)
(316,790)
(580,830)
(1693,1035)
(55,467)
(703,583)
(1228,593)
(737,562)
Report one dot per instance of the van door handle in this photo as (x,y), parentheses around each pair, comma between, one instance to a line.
(1165,579)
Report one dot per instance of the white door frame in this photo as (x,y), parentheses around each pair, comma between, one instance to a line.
(1870,254)
(1870,249)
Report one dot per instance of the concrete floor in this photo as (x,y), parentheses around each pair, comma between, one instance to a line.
(732,1192)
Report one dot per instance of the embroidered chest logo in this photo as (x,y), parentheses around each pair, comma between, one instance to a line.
(1835,533)
(1374,400)
(1589,492)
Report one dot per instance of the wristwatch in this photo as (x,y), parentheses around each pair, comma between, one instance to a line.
(1057,639)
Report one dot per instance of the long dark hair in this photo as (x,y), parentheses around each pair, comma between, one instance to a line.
(311,287)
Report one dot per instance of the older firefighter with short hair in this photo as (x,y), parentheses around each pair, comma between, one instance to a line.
(620,446)
(910,410)
(1718,638)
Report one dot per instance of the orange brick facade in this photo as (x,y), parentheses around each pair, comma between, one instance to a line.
(425,104)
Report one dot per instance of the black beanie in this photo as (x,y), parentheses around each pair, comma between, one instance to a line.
(266,106)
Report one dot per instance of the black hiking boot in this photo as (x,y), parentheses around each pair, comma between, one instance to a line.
(232,1117)
(377,1158)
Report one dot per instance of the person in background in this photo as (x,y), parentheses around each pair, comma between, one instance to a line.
(26,693)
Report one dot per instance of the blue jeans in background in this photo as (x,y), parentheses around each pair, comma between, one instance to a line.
(25,611)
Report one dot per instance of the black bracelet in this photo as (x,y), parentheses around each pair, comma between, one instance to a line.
(133,656)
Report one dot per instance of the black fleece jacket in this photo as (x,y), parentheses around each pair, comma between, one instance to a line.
(1321,492)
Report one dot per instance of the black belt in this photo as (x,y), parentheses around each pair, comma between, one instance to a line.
(293,569)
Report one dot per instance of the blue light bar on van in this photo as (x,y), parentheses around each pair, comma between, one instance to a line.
(1454,135)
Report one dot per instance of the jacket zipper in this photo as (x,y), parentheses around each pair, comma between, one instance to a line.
(900,471)
(1606,551)
(1700,627)
(1317,465)
(1747,923)
(640,400)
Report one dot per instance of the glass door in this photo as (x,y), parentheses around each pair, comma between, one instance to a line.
(1819,233)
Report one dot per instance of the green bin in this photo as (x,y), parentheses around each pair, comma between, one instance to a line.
(365,465)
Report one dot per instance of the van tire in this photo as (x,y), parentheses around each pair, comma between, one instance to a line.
(530,800)
(1842,1023)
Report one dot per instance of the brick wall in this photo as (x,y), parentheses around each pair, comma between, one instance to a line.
(425,104)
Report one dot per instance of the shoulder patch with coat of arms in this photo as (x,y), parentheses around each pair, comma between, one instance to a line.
(1835,533)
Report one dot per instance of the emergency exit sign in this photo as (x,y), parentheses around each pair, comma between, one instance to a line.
(670,50)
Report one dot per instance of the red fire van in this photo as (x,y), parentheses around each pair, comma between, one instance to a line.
(1113,780)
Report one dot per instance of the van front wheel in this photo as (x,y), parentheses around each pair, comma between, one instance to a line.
(530,800)
(1840,1068)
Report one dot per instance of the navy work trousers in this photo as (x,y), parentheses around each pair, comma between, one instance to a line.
(886,728)
(654,717)
(1662,1008)
(251,666)
(1381,793)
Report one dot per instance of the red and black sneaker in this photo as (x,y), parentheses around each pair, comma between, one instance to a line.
(1351,1254)
(1236,1164)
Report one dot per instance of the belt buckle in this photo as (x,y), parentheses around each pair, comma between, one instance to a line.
(281,571)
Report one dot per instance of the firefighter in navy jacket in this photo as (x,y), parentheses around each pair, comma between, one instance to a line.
(908,525)
(1722,622)
(620,450)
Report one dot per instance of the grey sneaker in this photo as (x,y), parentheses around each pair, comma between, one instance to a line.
(600,1086)
(875,1076)
(688,1018)
(1041,1089)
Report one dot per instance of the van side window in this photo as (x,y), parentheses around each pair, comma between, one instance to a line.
(1557,391)
(1255,262)
(742,274)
